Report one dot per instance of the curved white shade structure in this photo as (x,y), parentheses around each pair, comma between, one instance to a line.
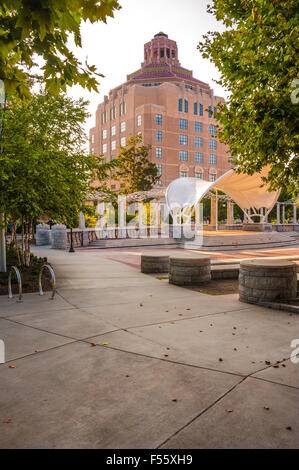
(245,190)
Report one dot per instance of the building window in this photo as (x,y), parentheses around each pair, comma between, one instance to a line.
(212,129)
(197,141)
(92,138)
(113,113)
(159,119)
(183,124)
(123,126)
(212,144)
(139,120)
(113,130)
(198,175)
(122,108)
(180,104)
(185,106)
(104,117)
(92,151)
(183,174)
(158,183)
(158,136)
(113,145)
(183,155)
(212,159)
(195,108)
(123,141)
(159,166)
(183,139)
(198,126)
(215,110)
(198,157)
(212,177)
(158,152)
(210,112)
(200,109)
(104,148)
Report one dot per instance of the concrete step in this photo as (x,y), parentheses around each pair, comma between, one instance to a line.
(133,242)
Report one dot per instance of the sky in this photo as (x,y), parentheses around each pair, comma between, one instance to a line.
(116,48)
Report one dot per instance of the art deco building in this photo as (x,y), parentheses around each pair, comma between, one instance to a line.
(171,109)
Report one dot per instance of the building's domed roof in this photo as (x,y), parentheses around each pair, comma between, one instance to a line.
(161,34)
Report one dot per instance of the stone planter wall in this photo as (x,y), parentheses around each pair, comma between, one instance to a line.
(59,237)
(189,270)
(154,263)
(267,280)
(43,235)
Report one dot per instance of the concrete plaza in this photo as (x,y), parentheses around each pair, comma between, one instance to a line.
(120,359)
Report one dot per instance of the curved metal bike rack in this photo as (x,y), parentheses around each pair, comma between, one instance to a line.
(15,269)
(41,292)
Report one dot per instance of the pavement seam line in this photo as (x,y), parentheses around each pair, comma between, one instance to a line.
(202,412)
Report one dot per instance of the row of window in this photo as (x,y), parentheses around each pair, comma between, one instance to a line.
(183,155)
(183,105)
(122,111)
(113,145)
(198,142)
(184,174)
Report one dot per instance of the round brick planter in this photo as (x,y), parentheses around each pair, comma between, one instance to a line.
(154,263)
(188,270)
(267,280)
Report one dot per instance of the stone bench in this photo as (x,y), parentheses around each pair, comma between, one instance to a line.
(188,270)
(267,280)
(154,263)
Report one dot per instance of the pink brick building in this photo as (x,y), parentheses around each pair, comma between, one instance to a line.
(173,112)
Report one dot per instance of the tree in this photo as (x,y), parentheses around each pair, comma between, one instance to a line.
(134,169)
(31,28)
(44,170)
(256,56)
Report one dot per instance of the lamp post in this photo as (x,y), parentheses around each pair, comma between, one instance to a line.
(71,250)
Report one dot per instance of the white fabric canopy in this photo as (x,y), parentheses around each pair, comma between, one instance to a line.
(245,190)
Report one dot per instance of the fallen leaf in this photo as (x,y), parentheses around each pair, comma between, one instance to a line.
(127,376)
(235,349)
(12,367)
(104,344)
(229,410)
(165,355)
(6,421)
(234,327)
(220,359)
(174,399)
(141,305)
(233,334)
(276,366)
(180,314)
(267,407)
(267,362)
(188,308)
(166,310)
(37,350)
(201,331)
(168,349)
(283,365)
(93,344)
(289,428)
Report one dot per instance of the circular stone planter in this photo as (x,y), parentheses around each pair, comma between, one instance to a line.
(267,280)
(154,263)
(188,270)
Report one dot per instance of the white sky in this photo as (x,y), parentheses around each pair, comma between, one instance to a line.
(116,48)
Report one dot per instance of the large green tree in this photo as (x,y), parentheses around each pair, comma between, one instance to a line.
(134,169)
(257,56)
(44,169)
(42,28)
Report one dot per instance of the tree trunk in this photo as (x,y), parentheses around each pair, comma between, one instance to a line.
(27,241)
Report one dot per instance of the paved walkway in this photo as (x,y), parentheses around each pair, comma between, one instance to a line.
(122,360)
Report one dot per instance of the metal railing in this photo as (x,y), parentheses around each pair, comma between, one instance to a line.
(41,292)
(15,269)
